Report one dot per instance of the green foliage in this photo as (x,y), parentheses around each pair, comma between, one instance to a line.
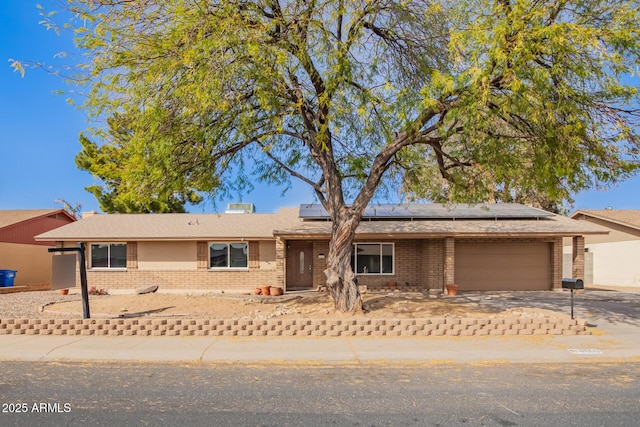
(123,167)
(458,101)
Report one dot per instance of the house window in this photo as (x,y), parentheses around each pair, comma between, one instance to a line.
(109,255)
(372,258)
(229,255)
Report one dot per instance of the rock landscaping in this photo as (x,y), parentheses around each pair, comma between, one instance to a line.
(304,314)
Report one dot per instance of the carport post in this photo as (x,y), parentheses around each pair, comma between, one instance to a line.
(83,276)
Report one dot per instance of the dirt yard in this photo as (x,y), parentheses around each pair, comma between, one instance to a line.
(291,305)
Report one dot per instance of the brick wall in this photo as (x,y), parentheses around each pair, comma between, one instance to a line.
(433,265)
(556,263)
(421,263)
(417,263)
(199,277)
(578,257)
(240,281)
(444,326)
(319,264)
(449,261)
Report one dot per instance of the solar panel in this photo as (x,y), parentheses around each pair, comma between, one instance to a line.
(435,211)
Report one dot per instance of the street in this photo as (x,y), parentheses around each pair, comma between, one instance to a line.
(114,394)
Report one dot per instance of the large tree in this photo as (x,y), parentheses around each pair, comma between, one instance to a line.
(459,101)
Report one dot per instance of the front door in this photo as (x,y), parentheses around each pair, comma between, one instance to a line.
(299,264)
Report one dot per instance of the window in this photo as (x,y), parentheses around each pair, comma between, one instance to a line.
(229,255)
(109,255)
(372,258)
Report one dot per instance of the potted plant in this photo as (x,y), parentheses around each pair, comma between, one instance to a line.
(452,289)
(276,291)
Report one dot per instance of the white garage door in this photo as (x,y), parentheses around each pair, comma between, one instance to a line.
(503,266)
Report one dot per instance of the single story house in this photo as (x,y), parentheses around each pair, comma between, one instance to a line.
(422,247)
(18,248)
(616,255)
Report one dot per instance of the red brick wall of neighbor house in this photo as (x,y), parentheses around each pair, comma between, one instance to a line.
(23,232)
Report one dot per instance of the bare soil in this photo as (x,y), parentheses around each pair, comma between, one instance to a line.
(290,305)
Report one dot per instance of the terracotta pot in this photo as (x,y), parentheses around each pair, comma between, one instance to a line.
(276,291)
(266,290)
(64,291)
(257,291)
(452,289)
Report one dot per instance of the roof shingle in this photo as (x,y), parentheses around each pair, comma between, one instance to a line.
(286,222)
(10,217)
(630,218)
(116,227)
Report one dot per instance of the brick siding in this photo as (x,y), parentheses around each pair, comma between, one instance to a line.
(422,264)
(239,281)
(578,257)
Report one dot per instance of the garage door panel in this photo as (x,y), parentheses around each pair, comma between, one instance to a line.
(503,266)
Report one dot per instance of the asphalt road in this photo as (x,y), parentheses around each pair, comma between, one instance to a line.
(119,394)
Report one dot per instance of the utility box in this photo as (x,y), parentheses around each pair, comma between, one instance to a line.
(572,284)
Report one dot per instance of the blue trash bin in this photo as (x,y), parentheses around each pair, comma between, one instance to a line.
(6,277)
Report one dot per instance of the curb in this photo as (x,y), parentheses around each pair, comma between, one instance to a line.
(445,326)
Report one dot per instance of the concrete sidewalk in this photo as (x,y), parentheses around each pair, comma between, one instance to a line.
(615,344)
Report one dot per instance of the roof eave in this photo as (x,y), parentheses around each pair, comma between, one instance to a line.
(541,234)
(604,218)
(149,239)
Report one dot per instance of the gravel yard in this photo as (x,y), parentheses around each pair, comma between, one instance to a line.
(53,305)
(27,305)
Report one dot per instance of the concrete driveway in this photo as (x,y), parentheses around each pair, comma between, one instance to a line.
(602,308)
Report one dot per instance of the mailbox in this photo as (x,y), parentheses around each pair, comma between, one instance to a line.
(572,284)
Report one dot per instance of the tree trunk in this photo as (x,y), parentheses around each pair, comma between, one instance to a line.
(340,277)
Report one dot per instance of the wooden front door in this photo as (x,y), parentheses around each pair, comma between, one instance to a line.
(299,264)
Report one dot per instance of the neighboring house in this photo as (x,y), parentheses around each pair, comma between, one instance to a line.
(616,256)
(422,247)
(18,249)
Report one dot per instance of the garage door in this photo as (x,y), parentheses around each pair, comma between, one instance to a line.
(503,266)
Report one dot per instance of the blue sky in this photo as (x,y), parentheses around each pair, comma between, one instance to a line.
(39,132)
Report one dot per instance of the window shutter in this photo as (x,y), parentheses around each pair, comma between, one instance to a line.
(132,255)
(203,256)
(254,254)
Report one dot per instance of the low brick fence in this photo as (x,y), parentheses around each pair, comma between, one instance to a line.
(447,326)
